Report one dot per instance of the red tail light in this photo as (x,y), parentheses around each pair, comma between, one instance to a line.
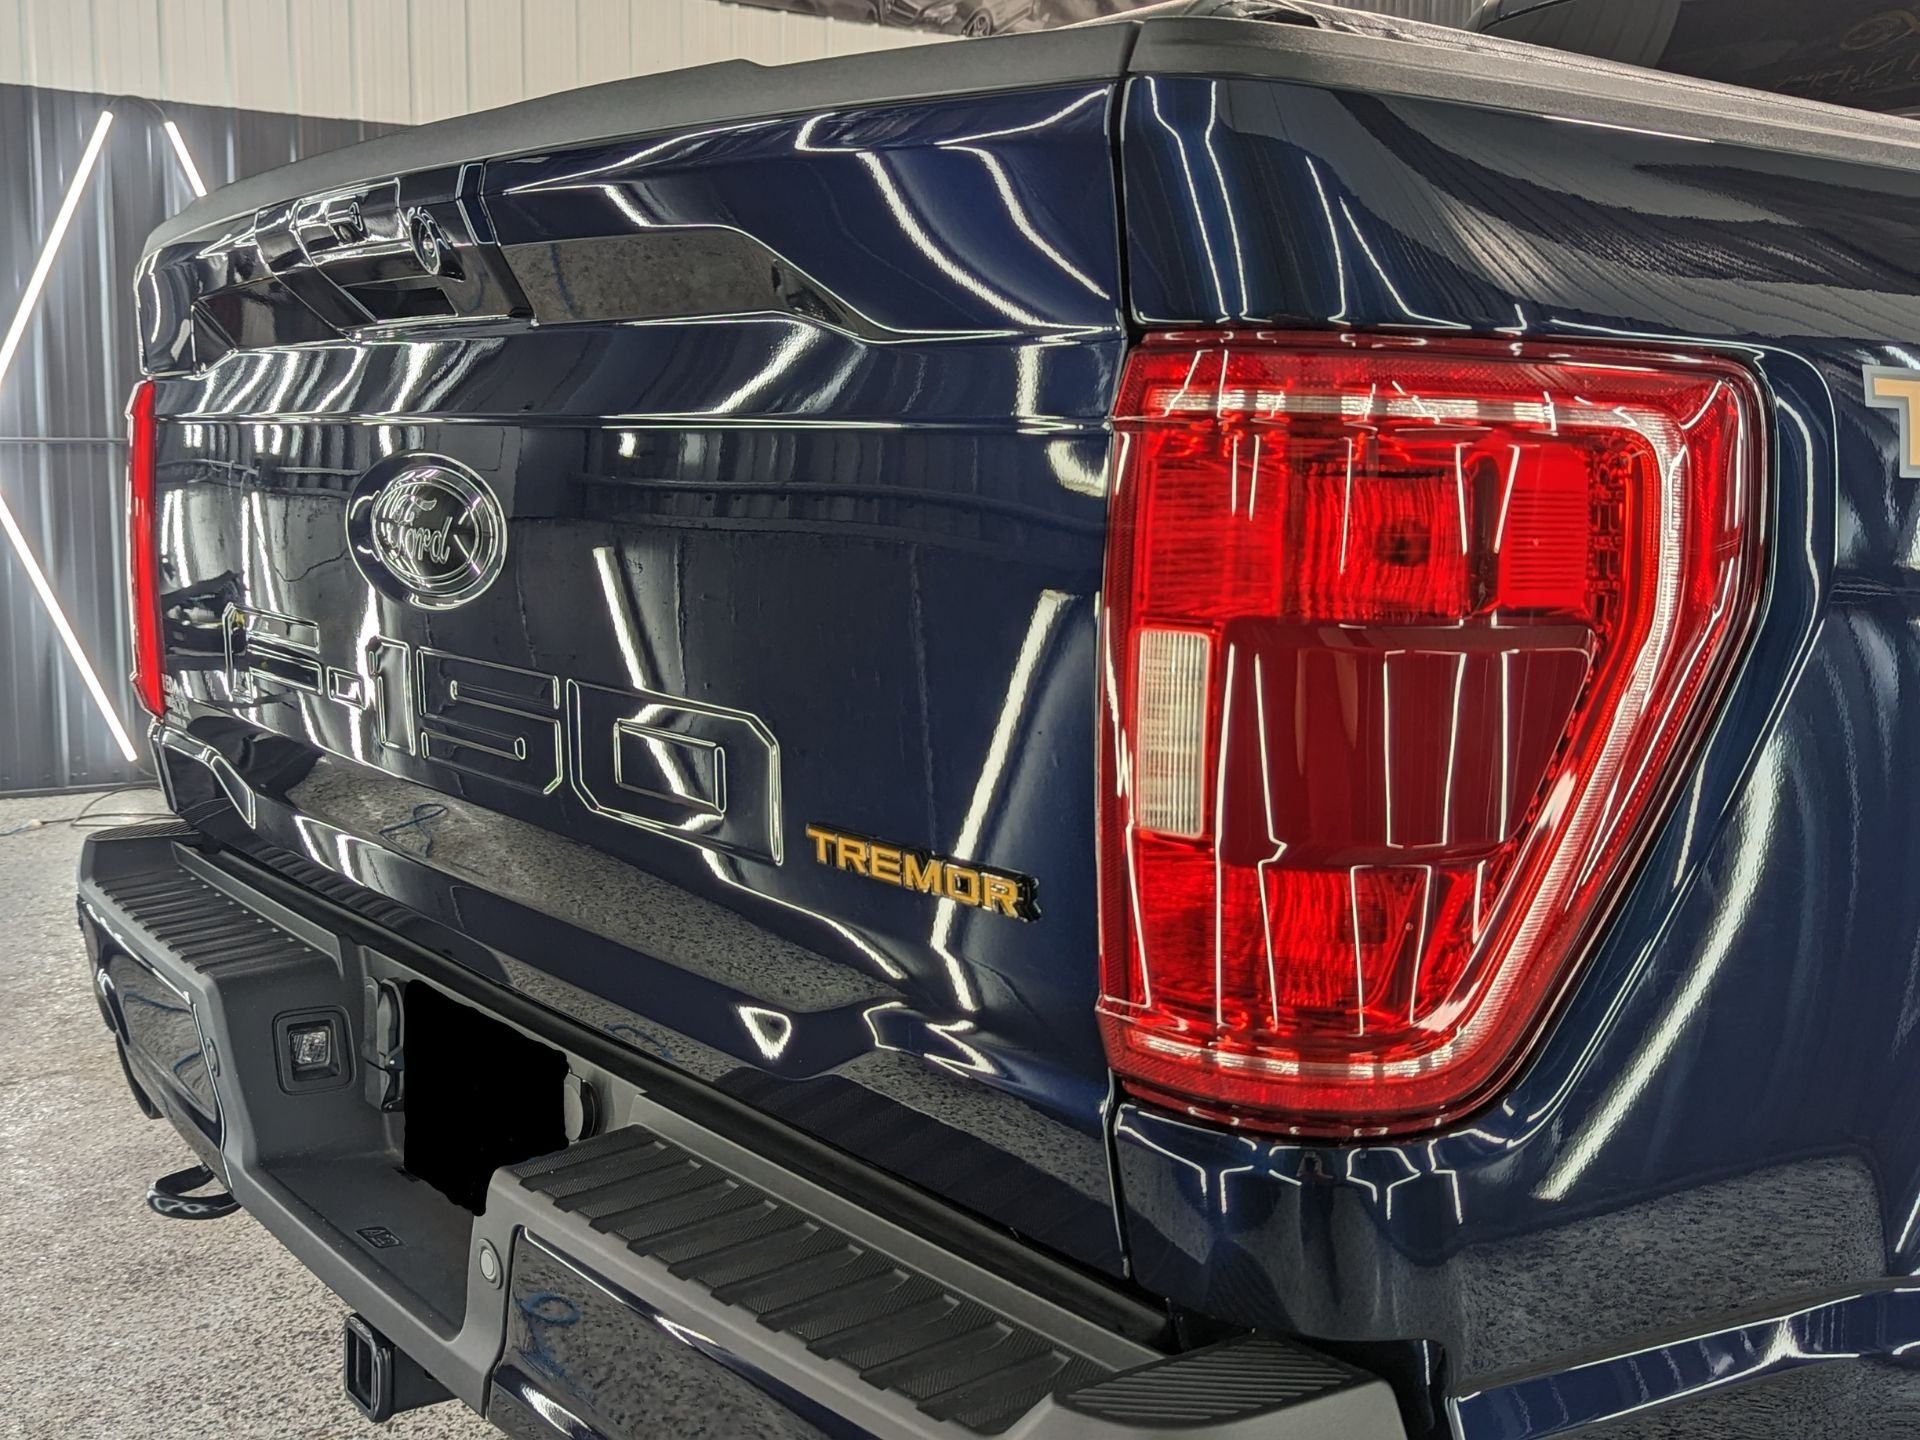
(1406,643)
(143,550)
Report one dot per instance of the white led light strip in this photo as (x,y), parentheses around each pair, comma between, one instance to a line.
(186,160)
(37,281)
(9,348)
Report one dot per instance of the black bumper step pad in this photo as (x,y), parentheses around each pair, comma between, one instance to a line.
(900,1330)
(199,924)
(1234,1380)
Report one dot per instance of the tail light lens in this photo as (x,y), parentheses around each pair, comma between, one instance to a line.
(143,550)
(1405,646)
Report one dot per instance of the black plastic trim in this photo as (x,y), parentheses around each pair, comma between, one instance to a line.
(896,1327)
(893,1199)
(812,1296)
(1235,1380)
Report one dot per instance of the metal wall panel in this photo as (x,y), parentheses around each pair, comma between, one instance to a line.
(441,69)
(409,61)
(322,54)
(62,452)
(496,62)
(550,40)
(382,78)
(127,41)
(197,56)
(262,28)
(606,40)
(394,61)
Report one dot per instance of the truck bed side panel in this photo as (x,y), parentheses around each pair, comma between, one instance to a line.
(1719,1125)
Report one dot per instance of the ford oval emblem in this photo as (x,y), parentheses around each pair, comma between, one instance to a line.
(427,531)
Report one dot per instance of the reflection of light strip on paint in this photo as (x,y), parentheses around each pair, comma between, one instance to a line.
(624,636)
(1735,908)
(186,160)
(770,1029)
(1387,280)
(9,347)
(617,612)
(916,232)
(1023,222)
(924,242)
(623,631)
(1045,613)
(1193,189)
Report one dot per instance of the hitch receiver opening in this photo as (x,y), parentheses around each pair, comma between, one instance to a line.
(382,1381)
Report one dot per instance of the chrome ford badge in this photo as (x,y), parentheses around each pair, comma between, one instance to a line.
(427,531)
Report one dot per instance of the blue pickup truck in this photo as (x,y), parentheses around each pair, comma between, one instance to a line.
(1196,726)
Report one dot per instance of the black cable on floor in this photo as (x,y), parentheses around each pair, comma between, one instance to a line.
(90,816)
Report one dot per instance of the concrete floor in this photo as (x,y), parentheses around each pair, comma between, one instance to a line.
(116,1324)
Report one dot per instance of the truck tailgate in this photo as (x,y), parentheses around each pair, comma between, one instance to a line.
(667,567)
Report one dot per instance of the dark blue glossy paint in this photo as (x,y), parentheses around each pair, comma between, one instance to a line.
(585,1359)
(932,220)
(1722,1116)
(879,538)
(1861,1342)
(865,506)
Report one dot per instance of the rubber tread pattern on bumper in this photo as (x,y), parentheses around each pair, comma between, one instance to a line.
(164,827)
(1247,1376)
(203,927)
(899,1329)
(365,903)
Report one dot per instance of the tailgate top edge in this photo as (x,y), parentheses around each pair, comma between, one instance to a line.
(1382,56)
(724,93)
(1343,49)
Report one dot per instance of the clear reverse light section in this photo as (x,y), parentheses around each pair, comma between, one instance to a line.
(1406,646)
(1171,683)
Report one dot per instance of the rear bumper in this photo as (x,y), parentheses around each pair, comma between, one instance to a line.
(655,1275)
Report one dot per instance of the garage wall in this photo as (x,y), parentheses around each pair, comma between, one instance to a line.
(409,61)
(398,61)
(62,445)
